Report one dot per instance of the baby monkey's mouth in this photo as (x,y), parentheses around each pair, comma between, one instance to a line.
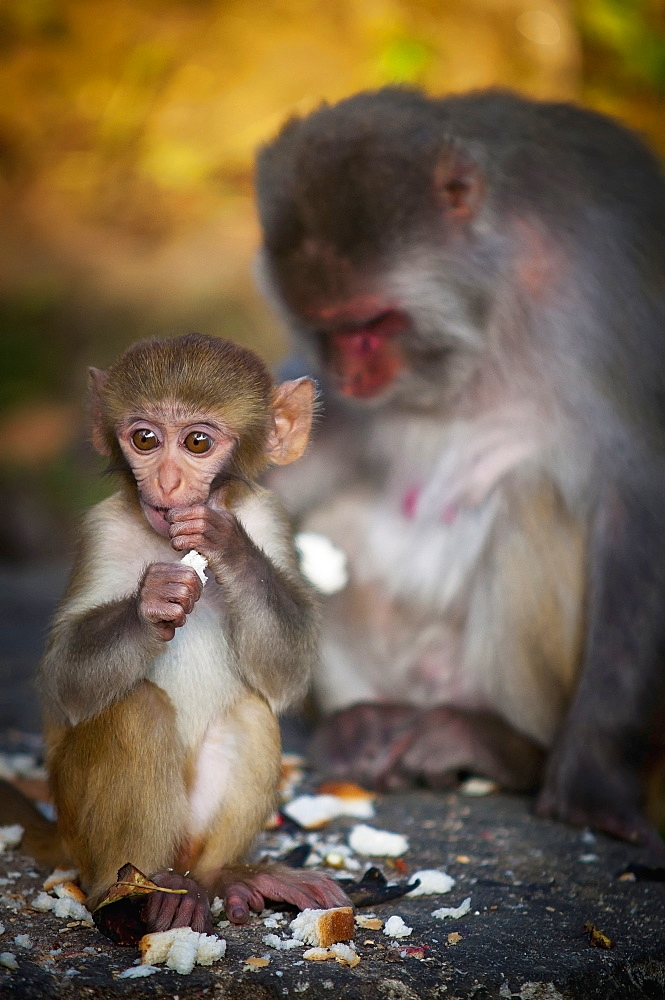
(156,516)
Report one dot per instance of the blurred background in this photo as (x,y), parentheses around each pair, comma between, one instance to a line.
(127,135)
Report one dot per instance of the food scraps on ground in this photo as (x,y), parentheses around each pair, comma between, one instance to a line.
(67,903)
(396,928)
(180,949)
(313,811)
(343,953)
(58,876)
(375,843)
(433,882)
(10,836)
(322,928)
(454,912)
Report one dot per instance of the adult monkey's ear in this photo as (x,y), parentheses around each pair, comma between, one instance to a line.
(292,408)
(97,380)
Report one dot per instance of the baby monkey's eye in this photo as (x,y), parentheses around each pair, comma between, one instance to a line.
(144,439)
(198,443)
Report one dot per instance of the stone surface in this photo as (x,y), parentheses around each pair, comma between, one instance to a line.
(533,885)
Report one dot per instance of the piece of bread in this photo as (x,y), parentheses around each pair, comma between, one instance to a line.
(321,928)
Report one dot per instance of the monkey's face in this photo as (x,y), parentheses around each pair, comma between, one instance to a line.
(371,249)
(406,337)
(175,457)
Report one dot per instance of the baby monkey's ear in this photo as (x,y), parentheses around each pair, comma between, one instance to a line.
(292,408)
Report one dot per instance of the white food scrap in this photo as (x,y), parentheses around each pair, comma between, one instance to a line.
(8,960)
(180,949)
(454,912)
(65,904)
(60,875)
(317,954)
(23,941)
(396,928)
(477,787)
(343,953)
(433,882)
(68,890)
(312,811)
(377,843)
(198,564)
(321,562)
(10,836)
(322,928)
(281,944)
(138,971)
(43,902)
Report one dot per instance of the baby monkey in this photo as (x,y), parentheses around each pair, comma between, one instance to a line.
(160,696)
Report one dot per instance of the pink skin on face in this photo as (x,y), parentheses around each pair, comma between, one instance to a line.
(168,472)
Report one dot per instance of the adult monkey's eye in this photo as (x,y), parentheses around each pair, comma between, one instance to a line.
(144,439)
(198,443)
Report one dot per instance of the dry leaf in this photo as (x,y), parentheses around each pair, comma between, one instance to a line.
(118,916)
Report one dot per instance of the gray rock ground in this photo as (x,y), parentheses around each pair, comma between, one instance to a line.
(533,885)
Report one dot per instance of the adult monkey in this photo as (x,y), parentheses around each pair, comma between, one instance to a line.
(481,280)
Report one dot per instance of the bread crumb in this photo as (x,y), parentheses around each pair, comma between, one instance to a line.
(314,811)
(180,949)
(59,875)
(322,928)
(396,928)
(43,902)
(345,954)
(255,963)
(138,971)
(67,890)
(67,908)
(433,882)
(369,923)
(475,787)
(454,912)
(197,562)
(317,954)
(377,843)
(10,836)
(281,944)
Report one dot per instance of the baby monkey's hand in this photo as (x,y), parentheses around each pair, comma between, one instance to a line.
(167,594)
